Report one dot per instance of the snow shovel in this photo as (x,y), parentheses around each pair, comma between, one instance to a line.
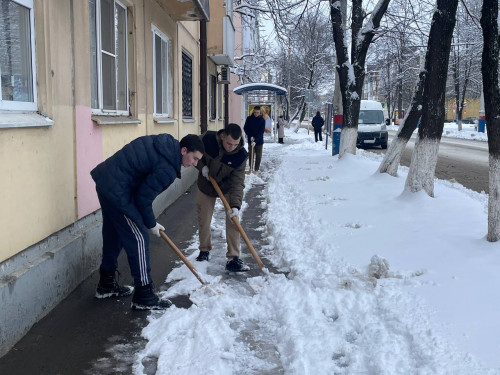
(183,258)
(237,223)
(251,156)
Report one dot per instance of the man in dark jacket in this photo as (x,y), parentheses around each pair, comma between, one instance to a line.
(317,123)
(254,128)
(224,160)
(126,184)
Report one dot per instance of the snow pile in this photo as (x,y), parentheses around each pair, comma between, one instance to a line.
(370,279)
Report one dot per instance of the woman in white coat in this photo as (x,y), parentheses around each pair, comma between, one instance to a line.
(281,129)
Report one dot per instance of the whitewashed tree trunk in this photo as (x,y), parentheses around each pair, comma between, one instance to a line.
(491,90)
(351,72)
(425,152)
(348,141)
(392,157)
(494,200)
(422,167)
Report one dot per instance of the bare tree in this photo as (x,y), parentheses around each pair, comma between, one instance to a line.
(424,158)
(392,157)
(351,71)
(489,69)
(304,59)
(465,63)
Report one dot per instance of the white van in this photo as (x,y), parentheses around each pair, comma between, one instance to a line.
(372,130)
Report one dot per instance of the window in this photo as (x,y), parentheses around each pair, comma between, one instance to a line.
(17,56)
(108,57)
(162,72)
(213,96)
(187,86)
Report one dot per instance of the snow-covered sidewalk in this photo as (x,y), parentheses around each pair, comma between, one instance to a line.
(365,278)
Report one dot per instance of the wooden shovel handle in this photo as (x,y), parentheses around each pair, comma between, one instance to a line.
(180,255)
(236,222)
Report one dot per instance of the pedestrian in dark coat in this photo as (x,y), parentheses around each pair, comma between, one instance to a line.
(254,128)
(281,129)
(317,123)
(224,160)
(126,184)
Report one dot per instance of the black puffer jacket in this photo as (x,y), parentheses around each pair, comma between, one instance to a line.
(317,122)
(134,176)
(255,127)
(227,168)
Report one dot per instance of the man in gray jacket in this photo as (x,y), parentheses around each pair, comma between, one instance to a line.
(224,159)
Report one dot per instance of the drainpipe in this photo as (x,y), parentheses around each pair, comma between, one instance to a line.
(203,77)
(226,105)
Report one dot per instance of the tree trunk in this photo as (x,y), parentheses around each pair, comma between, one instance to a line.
(392,157)
(351,73)
(301,105)
(424,158)
(491,91)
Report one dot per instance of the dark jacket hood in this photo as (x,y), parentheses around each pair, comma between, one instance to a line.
(170,149)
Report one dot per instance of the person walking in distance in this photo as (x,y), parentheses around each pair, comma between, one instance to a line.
(126,185)
(281,129)
(224,160)
(254,128)
(317,123)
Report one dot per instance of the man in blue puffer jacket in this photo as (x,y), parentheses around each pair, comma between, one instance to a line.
(126,184)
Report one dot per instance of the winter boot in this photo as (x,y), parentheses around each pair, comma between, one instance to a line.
(146,299)
(108,285)
(204,255)
(236,265)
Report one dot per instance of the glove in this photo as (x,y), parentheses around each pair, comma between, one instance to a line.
(232,213)
(156,229)
(204,172)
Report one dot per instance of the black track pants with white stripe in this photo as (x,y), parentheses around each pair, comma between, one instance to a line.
(119,231)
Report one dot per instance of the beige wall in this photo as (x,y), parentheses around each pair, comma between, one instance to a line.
(471,110)
(235,100)
(215,27)
(36,164)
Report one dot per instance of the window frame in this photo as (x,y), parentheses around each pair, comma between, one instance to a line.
(11,105)
(99,52)
(170,86)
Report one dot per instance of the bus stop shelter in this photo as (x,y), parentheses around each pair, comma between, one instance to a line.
(264,95)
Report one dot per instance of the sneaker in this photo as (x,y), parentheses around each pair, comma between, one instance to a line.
(204,255)
(236,265)
(108,286)
(146,299)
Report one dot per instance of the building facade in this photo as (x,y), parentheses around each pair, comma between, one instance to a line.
(79,80)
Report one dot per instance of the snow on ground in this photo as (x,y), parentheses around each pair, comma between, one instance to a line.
(366,279)
(450,130)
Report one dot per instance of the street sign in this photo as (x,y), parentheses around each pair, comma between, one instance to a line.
(309,96)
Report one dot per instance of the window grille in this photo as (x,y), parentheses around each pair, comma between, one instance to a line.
(187,86)
(213,97)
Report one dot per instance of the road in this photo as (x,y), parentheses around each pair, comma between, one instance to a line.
(464,160)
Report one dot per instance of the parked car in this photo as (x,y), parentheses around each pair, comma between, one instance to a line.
(470,120)
(372,129)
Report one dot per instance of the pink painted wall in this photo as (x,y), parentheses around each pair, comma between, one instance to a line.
(88,155)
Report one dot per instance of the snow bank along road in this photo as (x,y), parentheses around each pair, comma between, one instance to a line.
(465,161)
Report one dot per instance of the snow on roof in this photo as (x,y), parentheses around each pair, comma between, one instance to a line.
(260,86)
